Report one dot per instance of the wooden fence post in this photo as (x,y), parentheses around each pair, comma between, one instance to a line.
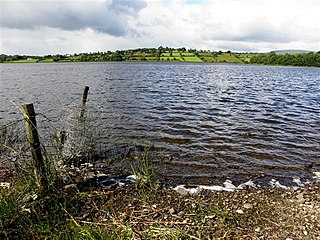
(35,146)
(84,100)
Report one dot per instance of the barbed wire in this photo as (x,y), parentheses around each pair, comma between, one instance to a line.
(4,126)
(82,135)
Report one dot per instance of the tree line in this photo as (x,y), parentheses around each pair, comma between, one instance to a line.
(302,59)
(311,59)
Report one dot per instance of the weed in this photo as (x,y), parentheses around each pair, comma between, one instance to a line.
(144,171)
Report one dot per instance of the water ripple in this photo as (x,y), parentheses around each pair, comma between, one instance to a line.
(215,120)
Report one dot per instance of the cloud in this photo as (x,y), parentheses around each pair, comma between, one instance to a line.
(99,25)
(46,40)
(110,17)
(252,24)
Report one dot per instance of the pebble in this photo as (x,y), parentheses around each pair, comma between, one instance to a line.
(5,185)
(300,198)
(182,191)
(239,211)
(248,206)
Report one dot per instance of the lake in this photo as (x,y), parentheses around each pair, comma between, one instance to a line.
(217,121)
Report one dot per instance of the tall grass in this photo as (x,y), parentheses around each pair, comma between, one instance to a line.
(143,170)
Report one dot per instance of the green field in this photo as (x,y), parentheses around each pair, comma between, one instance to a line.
(187,54)
(192,59)
(225,57)
(47,60)
(179,56)
(25,61)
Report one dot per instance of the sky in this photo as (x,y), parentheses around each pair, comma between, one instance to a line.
(42,27)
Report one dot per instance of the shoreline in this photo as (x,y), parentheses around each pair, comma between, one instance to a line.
(137,208)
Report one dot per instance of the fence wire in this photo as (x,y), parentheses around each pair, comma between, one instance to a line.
(73,135)
(13,144)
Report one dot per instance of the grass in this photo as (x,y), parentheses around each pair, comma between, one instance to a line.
(179,56)
(187,54)
(25,61)
(144,171)
(226,57)
(192,59)
(47,60)
(28,214)
(169,59)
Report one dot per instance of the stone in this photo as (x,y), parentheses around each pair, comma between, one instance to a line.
(5,185)
(240,211)
(181,190)
(171,211)
(248,206)
(300,198)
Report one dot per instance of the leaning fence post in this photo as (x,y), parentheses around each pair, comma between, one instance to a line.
(84,100)
(35,147)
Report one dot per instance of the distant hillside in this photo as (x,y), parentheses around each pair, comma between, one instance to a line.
(290,51)
(166,54)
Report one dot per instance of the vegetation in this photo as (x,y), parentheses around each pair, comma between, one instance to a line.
(301,59)
(166,54)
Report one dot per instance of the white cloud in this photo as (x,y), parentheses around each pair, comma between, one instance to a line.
(76,26)
(110,17)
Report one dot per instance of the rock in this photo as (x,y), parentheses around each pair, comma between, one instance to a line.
(248,206)
(300,198)
(5,185)
(181,190)
(101,175)
(90,175)
(240,211)
(70,186)
(171,211)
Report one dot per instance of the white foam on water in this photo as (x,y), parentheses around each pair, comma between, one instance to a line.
(277,184)
(297,181)
(249,183)
(317,175)
(230,187)
(131,178)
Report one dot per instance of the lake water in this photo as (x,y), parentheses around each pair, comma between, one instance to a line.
(217,121)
